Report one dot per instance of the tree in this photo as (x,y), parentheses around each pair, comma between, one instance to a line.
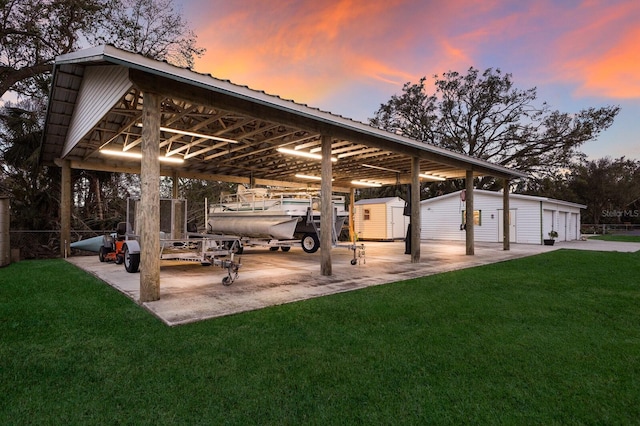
(557,186)
(151,28)
(609,188)
(485,116)
(34,32)
(32,197)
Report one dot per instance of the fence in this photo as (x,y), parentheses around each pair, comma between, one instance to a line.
(46,244)
(42,244)
(609,228)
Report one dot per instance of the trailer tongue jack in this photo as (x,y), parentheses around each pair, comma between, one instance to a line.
(230,265)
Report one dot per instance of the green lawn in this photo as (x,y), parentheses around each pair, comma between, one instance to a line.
(550,339)
(617,237)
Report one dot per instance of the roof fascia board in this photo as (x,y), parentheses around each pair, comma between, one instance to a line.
(511,195)
(533,197)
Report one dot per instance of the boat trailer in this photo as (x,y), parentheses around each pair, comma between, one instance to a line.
(208,250)
(178,241)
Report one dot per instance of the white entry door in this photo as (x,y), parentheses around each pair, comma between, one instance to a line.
(397,223)
(512,226)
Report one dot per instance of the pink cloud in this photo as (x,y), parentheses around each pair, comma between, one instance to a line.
(601,54)
(302,49)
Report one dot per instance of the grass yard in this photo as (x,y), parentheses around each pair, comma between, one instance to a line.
(617,237)
(550,339)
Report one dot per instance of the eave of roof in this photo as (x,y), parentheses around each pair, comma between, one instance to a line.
(384,200)
(512,196)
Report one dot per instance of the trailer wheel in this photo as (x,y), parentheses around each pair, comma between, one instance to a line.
(285,248)
(310,243)
(273,248)
(226,281)
(131,260)
(102,253)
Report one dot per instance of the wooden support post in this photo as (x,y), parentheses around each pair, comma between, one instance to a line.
(65,209)
(177,228)
(469,212)
(506,217)
(352,215)
(150,200)
(416,227)
(326,208)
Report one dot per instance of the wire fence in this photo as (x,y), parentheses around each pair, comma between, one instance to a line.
(610,228)
(45,244)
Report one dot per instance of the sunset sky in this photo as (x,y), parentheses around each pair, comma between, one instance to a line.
(350,56)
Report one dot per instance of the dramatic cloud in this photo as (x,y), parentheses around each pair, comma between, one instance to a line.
(602,54)
(356,53)
(301,49)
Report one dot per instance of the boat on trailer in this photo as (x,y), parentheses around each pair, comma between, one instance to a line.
(274,218)
(179,240)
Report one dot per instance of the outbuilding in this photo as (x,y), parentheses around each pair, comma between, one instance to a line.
(381,219)
(531,218)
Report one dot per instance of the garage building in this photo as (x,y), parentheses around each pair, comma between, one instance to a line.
(531,218)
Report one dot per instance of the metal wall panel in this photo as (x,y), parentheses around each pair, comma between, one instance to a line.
(101,88)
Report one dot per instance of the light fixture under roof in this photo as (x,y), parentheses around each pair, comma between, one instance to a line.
(310,177)
(432,177)
(304,154)
(138,156)
(193,134)
(381,168)
(366,183)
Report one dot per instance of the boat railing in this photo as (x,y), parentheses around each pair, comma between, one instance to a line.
(243,202)
(258,200)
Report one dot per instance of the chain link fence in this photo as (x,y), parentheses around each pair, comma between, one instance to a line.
(42,244)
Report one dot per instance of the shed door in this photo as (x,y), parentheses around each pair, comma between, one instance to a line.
(397,223)
(512,226)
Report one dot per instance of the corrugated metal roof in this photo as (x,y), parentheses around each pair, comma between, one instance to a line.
(102,87)
(252,125)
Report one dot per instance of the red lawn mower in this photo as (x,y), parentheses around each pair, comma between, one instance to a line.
(112,249)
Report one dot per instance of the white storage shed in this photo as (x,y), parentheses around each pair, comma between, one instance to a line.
(531,218)
(380,219)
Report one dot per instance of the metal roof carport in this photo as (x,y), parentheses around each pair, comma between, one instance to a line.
(106,101)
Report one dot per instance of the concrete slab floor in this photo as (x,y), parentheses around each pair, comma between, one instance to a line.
(190,292)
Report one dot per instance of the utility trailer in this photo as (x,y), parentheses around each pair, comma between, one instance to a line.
(179,240)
